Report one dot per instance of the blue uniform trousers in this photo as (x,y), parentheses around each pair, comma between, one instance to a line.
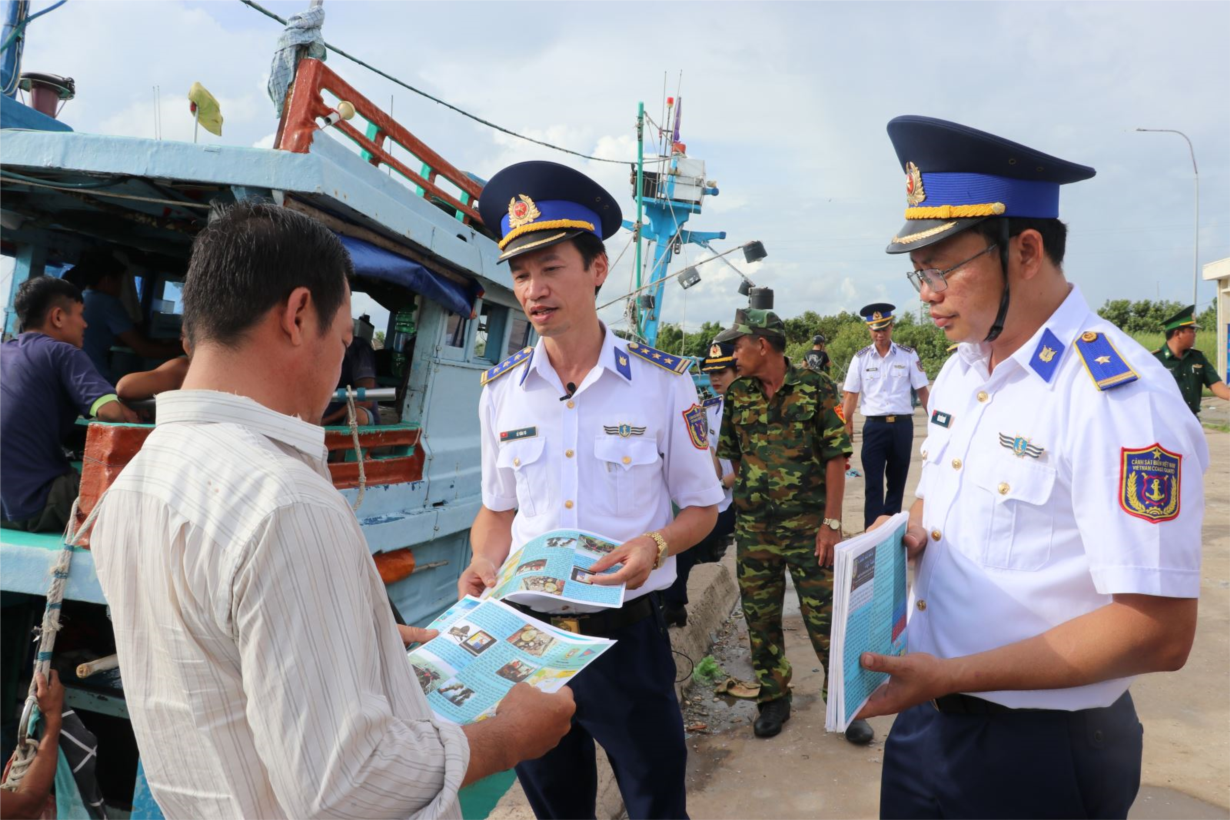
(626,702)
(1024,763)
(886,452)
(710,549)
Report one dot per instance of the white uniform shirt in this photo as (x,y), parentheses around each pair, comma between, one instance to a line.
(883,382)
(1025,505)
(609,460)
(715,407)
(262,668)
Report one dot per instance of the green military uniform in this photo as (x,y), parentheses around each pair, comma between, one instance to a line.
(782,445)
(1192,371)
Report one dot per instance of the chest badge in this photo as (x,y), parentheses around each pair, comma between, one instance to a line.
(939,417)
(1149,483)
(517,435)
(697,422)
(624,430)
(1020,446)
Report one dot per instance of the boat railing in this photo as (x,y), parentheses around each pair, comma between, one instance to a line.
(436,175)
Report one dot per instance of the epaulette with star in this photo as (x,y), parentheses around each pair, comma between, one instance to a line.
(712,402)
(667,361)
(511,363)
(864,350)
(906,348)
(1105,366)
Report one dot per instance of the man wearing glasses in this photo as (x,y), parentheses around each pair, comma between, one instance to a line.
(1057,521)
(1191,370)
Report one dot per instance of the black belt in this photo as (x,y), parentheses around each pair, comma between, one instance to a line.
(969,705)
(595,624)
(891,419)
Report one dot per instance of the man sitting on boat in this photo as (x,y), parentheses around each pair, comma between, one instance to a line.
(48,381)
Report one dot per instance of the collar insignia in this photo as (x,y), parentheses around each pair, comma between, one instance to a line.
(1047,356)
(521,211)
(913,185)
(1020,446)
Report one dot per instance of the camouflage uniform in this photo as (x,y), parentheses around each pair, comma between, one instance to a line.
(783,445)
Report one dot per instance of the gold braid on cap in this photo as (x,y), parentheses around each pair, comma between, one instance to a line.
(914,237)
(955,211)
(549,225)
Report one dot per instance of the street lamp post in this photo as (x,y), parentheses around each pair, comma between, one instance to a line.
(1196,174)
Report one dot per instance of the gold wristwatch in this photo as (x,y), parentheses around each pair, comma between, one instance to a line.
(663,550)
(833,524)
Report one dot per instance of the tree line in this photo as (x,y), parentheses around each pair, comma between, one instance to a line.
(847,333)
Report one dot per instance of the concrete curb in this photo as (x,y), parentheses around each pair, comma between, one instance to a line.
(712,594)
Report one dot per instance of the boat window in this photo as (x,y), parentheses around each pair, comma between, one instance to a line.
(519,336)
(455,332)
(489,340)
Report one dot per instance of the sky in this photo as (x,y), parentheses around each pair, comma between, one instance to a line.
(785,102)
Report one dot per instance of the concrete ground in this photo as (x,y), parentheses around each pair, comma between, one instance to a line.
(805,772)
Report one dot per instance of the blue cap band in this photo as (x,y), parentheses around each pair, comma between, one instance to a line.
(1024,198)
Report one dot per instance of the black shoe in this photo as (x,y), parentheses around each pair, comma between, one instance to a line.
(675,616)
(860,733)
(772,715)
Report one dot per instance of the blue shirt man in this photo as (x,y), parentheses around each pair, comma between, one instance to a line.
(47,381)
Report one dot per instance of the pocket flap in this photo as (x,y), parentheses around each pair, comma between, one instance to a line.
(517,455)
(1014,479)
(626,452)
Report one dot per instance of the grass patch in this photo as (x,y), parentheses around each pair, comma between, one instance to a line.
(1217,426)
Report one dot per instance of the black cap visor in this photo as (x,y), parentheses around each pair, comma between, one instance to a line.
(919,233)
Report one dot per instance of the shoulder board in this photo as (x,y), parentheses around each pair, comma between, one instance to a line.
(667,361)
(952,348)
(864,350)
(906,348)
(1157,352)
(511,363)
(713,402)
(1102,361)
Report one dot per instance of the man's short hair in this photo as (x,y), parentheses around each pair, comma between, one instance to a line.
(590,247)
(776,342)
(248,259)
(38,296)
(1054,233)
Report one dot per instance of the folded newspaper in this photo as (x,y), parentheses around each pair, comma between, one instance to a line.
(552,571)
(485,648)
(869,615)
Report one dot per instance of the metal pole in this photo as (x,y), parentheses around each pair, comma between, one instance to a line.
(1196,174)
(640,187)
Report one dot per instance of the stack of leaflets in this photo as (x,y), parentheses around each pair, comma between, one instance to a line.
(486,648)
(869,615)
(552,570)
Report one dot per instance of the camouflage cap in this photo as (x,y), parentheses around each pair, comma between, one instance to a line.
(753,322)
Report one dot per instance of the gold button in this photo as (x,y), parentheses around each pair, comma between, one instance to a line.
(516,462)
(1003,488)
(569,453)
(571,404)
(935,535)
(956,464)
(923,454)
(627,460)
(922,605)
(982,395)
(568,505)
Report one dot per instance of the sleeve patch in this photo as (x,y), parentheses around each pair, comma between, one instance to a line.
(1149,483)
(697,422)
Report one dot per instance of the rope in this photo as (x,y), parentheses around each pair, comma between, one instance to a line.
(27,747)
(437,100)
(352,420)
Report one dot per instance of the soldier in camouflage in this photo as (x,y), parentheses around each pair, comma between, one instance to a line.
(788,448)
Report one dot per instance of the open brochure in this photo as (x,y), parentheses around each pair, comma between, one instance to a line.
(869,615)
(553,569)
(485,648)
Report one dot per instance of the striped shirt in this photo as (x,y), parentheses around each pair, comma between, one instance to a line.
(262,668)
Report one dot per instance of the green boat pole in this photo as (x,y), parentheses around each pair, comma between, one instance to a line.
(640,193)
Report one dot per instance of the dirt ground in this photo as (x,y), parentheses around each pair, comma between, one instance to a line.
(804,772)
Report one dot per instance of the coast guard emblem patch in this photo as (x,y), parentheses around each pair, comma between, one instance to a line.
(1149,483)
(698,426)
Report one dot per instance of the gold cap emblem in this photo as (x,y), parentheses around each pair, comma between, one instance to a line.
(715,351)
(521,211)
(913,184)
(877,316)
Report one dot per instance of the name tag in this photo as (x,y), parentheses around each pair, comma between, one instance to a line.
(942,419)
(515,435)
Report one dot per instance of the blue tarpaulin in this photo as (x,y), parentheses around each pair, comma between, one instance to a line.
(377,263)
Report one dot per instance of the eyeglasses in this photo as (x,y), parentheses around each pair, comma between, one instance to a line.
(936,279)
